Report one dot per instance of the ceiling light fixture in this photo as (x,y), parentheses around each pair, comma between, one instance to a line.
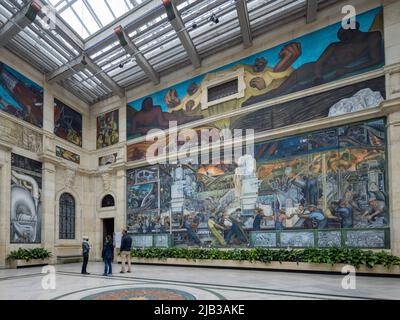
(214,18)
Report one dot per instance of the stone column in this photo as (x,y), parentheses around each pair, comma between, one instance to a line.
(122,120)
(48,109)
(393,138)
(5,181)
(48,206)
(120,193)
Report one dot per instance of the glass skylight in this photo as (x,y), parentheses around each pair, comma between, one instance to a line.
(86,17)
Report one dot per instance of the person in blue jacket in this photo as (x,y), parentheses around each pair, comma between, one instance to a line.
(107,255)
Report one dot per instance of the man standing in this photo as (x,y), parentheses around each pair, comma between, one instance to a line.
(85,254)
(126,246)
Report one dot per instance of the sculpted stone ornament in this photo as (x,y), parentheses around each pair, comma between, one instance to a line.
(20,136)
(69,178)
(106,181)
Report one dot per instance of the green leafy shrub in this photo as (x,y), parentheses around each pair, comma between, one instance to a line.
(29,254)
(354,257)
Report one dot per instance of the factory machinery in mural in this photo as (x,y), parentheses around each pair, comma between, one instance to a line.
(67,123)
(329,54)
(20,96)
(26,191)
(107,129)
(329,181)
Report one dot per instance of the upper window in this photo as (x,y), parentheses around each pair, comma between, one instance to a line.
(223,90)
(108,201)
(67,217)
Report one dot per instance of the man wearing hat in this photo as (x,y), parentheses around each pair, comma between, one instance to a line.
(376,208)
(85,253)
(317,217)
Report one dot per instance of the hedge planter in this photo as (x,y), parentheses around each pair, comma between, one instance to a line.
(310,259)
(28,257)
(14,263)
(274,265)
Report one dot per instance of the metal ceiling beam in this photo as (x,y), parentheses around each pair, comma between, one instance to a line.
(18,22)
(312,8)
(64,30)
(72,67)
(244,22)
(175,19)
(132,20)
(134,52)
(104,78)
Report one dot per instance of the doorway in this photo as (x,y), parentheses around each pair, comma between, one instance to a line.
(108,227)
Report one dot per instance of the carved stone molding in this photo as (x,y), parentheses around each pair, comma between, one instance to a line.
(69,178)
(106,177)
(20,136)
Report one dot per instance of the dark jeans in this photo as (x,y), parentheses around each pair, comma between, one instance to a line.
(107,266)
(85,262)
(193,236)
(235,231)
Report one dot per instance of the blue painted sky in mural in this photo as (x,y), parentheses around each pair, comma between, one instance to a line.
(312,44)
(4,93)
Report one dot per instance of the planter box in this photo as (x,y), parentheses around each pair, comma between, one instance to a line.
(289,266)
(14,264)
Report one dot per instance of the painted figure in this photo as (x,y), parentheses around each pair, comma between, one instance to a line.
(345,212)
(214,227)
(356,50)
(151,116)
(316,216)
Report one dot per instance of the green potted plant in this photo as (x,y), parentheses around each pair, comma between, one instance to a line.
(28,257)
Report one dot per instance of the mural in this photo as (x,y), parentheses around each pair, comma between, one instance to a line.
(68,155)
(329,54)
(20,97)
(67,123)
(351,98)
(333,179)
(26,192)
(20,136)
(107,129)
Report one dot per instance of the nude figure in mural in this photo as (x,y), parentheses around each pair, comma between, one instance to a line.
(151,116)
(355,50)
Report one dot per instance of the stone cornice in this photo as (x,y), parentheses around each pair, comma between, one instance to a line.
(5,146)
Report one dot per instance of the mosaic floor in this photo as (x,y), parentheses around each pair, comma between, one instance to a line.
(183,283)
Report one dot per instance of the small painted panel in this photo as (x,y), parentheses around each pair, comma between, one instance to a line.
(68,155)
(107,129)
(366,238)
(329,239)
(297,239)
(263,239)
(142,241)
(67,123)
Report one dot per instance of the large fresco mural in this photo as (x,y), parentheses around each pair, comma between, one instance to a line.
(107,129)
(20,97)
(26,207)
(344,100)
(331,181)
(329,54)
(67,123)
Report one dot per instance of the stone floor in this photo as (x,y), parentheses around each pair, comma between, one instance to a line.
(176,283)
